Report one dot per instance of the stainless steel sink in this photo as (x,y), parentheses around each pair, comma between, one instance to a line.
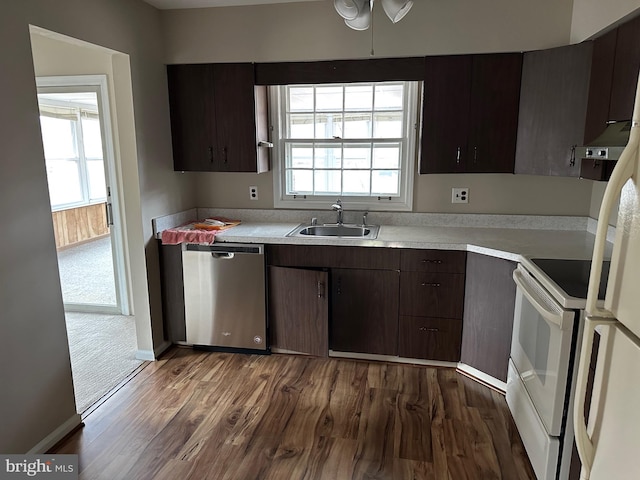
(368,232)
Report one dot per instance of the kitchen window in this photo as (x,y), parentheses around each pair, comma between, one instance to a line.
(73,153)
(353,141)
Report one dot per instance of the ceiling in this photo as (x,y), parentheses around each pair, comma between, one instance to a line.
(176,4)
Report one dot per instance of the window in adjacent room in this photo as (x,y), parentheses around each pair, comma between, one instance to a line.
(73,149)
(353,141)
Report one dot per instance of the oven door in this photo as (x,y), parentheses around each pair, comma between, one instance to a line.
(541,348)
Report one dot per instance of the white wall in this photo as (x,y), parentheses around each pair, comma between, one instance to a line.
(590,17)
(37,394)
(314,31)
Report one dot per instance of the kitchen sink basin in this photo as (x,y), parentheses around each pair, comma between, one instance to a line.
(368,232)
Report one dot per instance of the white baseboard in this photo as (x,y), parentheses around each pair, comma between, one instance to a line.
(392,358)
(147,355)
(58,434)
(482,377)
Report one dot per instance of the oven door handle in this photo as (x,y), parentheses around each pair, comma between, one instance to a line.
(546,307)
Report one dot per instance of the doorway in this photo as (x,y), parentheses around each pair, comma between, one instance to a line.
(78,146)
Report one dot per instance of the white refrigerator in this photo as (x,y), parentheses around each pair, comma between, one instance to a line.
(609,442)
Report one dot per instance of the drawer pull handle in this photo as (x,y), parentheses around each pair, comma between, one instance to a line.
(426,284)
(426,329)
(437,262)
(320,289)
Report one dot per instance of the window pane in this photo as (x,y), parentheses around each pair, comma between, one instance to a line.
(386,155)
(357,125)
(328,98)
(97,183)
(328,156)
(358,97)
(387,125)
(356,182)
(299,181)
(300,156)
(327,182)
(300,125)
(300,99)
(357,156)
(328,125)
(63,177)
(58,137)
(92,138)
(385,182)
(389,97)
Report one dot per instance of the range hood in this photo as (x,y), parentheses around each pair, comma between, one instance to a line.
(610,144)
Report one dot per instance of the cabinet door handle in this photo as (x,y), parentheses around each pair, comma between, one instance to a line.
(426,284)
(475,154)
(211,154)
(320,289)
(224,154)
(437,262)
(427,329)
(458,156)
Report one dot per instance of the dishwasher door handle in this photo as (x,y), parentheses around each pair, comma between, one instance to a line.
(223,255)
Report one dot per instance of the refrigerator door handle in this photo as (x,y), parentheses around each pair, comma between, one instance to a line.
(586,450)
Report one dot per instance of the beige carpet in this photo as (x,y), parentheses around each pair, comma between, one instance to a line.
(103,351)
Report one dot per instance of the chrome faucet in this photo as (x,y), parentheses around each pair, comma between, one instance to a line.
(338,208)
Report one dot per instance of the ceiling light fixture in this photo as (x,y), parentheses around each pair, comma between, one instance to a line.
(357,13)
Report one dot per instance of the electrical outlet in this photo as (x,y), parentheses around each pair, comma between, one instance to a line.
(460,195)
(253,193)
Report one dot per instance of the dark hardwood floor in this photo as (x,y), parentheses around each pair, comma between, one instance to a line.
(200,415)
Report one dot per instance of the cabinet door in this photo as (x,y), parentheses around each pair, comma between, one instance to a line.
(364,311)
(191,105)
(172,290)
(600,79)
(553,107)
(490,295)
(493,113)
(234,117)
(298,310)
(447,89)
(625,71)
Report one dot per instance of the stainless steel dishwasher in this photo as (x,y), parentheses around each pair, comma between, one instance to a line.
(224,296)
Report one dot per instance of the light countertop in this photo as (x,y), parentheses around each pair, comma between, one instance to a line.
(508,243)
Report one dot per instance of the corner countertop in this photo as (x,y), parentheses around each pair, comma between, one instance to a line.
(507,243)
(511,237)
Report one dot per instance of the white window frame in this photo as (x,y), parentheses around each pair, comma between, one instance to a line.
(81,160)
(403,202)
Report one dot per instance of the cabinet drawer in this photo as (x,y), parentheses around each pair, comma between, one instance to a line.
(445,261)
(333,257)
(430,338)
(432,294)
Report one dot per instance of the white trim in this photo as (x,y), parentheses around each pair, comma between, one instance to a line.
(58,434)
(99,84)
(482,377)
(147,355)
(392,359)
(404,202)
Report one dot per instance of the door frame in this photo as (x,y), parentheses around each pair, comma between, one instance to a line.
(99,84)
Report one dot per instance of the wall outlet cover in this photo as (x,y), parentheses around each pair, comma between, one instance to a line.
(460,195)
(253,193)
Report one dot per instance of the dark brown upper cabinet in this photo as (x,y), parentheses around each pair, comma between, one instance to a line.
(218,116)
(553,108)
(470,113)
(614,76)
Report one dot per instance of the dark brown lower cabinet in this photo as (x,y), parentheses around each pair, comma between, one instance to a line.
(430,338)
(299,310)
(364,311)
(489,303)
